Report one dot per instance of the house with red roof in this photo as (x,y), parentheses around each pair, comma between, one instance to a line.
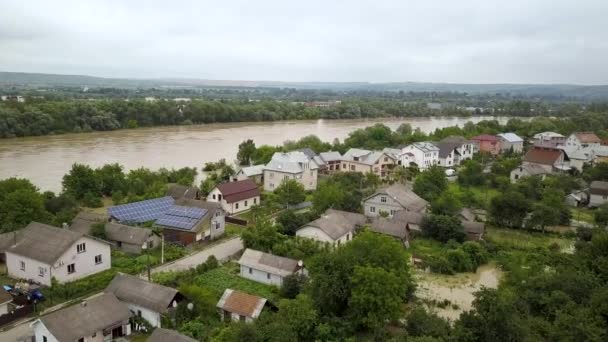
(540,161)
(487,143)
(583,139)
(235,197)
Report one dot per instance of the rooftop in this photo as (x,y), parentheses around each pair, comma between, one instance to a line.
(363,156)
(254,170)
(426,146)
(587,137)
(137,291)
(241,303)
(44,243)
(511,137)
(290,162)
(83,222)
(336,223)
(86,318)
(598,188)
(268,262)
(127,234)
(178,191)
(485,137)
(404,196)
(545,156)
(449,144)
(239,190)
(166,335)
(330,156)
(547,135)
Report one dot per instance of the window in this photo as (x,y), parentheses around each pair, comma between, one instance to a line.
(311,173)
(71,268)
(81,339)
(213,196)
(383,199)
(22,265)
(241,318)
(41,271)
(236,205)
(138,313)
(217,225)
(44,339)
(245,203)
(344,166)
(81,247)
(348,237)
(372,209)
(250,270)
(385,159)
(255,201)
(98,259)
(352,167)
(267,275)
(272,175)
(150,244)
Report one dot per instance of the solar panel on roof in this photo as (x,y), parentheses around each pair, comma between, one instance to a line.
(181,217)
(142,211)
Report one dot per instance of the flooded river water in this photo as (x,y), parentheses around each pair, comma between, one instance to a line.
(44,160)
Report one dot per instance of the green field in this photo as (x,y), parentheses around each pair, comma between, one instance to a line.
(583,214)
(512,239)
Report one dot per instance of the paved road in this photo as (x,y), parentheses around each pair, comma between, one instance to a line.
(21,333)
(221,251)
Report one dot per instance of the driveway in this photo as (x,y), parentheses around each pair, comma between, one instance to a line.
(221,251)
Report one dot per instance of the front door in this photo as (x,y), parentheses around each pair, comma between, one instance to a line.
(117,332)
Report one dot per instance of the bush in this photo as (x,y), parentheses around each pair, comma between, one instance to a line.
(459,261)
(92,201)
(439,264)
(98,230)
(292,285)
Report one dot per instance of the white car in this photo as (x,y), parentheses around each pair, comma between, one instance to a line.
(450,172)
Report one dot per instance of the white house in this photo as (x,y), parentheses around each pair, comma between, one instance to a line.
(583,139)
(511,141)
(334,226)
(255,173)
(549,139)
(236,197)
(453,150)
(267,268)
(144,299)
(43,252)
(291,165)
(392,199)
(422,154)
(97,319)
(598,193)
(237,306)
(527,170)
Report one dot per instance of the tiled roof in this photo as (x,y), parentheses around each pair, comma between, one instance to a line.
(137,291)
(547,135)
(86,318)
(449,144)
(587,137)
(268,262)
(544,156)
(241,303)
(389,227)
(239,190)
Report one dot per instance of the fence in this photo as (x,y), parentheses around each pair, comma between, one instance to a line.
(236,221)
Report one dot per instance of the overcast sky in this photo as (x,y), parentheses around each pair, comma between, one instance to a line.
(466,41)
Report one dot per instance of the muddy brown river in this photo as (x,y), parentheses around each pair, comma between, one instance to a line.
(44,160)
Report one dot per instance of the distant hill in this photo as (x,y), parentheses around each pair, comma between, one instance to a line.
(591,93)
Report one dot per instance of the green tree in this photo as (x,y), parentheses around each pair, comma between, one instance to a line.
(292,285)
(509,209)
(262,236)
(290,192)
(600,216)
(447,203)
(542,216)
(471,173)
(431,183)
(290,221)
(422,323)
(246,151)
(112,179)
(443,228)
(82,180)
(300,316)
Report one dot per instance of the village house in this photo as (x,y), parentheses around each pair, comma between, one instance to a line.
(43,252)
(392,199)
(334,226)
(84,221)
(129,239)
(486,143)
(235,197)
(101,318)
(332,160)
(578,157)
(474,230)
(290,165)
(598,193)
(549,139)
(454,150)
(267,268)
(365,161)
(183,221)
(537,158)
(178,191)
(583,139)
(421,154)
(166,335)
(510,142)
(402,226)
(237,306)
(144,299)
(254,173)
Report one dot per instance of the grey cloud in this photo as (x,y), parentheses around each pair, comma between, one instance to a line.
(468,41)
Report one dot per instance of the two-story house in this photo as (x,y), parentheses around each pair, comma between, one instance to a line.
(379,163)
(511,142)
(582,140)
(549,139)
(540,161)
(453,150)
(332,160)
(43,252)
(236,197)
(290,165)
(392,199)
(267,268)
(421,154)
(486,143)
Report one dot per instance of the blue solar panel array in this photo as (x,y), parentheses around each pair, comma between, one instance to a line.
(181,217)
(140,212)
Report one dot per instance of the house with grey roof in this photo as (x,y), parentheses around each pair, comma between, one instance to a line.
(84,221)
(331,161)
(527,170)
(294,165)
(598,193)
(334,226)
(43,252)
(100,318)
(166,335)
(392,199)
(145,299)
(365,161)
(237,306)
(254,172)
(267,268)
(511,142)
(421,154)
(453,150)
(178,191)
(131,239)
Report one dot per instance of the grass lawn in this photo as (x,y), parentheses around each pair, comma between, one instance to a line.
(583,214)
(233,230)
(227,277)
(524,240)
(482,194)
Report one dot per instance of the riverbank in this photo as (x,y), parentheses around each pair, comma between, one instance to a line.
(44,160)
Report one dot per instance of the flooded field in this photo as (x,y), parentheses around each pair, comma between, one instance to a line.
(457,289)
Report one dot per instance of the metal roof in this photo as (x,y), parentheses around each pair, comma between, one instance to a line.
(511,137)
(142,211)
